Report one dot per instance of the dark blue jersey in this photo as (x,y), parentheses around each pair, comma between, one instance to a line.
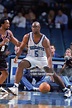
(4,47)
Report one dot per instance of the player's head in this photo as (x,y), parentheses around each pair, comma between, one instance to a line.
(36,27)
(5,24)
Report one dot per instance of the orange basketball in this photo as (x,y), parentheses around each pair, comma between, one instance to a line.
(44,87)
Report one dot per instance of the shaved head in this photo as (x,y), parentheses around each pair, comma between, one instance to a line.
(36,27)
(36,24)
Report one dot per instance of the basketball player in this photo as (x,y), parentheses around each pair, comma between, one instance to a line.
(6,36)
(39,55)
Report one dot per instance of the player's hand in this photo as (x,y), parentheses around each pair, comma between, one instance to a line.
(48,70)
(15,59)
(16,49)
(6,40)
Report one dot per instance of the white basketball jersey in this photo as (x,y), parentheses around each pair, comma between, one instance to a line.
(35,49)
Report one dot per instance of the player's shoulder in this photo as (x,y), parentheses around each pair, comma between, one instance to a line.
(28,34)
(45,37)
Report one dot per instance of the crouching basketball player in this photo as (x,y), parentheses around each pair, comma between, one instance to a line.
(39,54)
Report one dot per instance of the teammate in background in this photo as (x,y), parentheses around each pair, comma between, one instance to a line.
(6,36)
(39,55)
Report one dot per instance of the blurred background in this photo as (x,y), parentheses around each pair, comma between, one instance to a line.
(55,17)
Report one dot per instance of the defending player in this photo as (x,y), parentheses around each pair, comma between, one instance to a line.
(6,36)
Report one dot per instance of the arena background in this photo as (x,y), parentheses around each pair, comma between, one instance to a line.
(61,38)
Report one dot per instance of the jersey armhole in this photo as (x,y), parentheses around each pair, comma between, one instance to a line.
(8,36)
(43,39)
(28,38)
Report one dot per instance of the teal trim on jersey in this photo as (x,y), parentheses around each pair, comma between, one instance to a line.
(36,47)
(34,41)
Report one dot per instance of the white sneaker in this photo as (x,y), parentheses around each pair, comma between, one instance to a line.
(67,93)
(3,90)
(13,90)
(3,96)
(13,101)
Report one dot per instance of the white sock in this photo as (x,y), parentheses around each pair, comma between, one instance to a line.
(16,84)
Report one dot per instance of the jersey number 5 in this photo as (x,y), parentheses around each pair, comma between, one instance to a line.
(2,48)
(36,53)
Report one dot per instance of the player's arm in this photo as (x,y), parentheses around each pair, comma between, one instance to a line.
(46,44)
(13,39)
(23,45)
(4,41)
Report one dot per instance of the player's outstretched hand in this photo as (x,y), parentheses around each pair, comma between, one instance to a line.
(15,59)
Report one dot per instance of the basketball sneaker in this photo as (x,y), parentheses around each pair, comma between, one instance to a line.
(3,90)
(3,96)
(13,101)
(13,90)
(67,93)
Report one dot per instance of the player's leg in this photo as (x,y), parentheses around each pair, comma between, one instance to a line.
(58,80)
(19,73)
(3,76)
(67,82)
(3,70)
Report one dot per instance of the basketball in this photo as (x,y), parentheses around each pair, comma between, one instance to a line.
(44,87)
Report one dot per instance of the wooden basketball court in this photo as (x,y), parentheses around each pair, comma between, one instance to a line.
(32,99)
